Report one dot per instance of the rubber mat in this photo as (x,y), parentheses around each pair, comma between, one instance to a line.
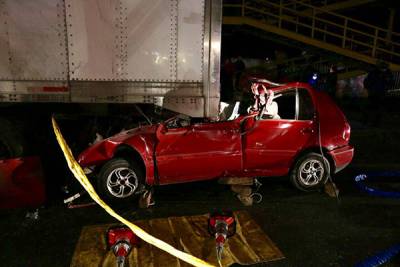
(250,245)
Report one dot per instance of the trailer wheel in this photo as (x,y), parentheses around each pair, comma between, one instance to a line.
(310,172)
(120,181)
(10,141)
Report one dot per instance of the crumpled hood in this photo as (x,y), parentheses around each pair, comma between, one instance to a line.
(125,135)
(104,150)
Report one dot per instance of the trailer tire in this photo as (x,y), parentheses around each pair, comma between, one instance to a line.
(11,141)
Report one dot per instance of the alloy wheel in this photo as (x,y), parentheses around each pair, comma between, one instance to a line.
(311,172)
(122,182)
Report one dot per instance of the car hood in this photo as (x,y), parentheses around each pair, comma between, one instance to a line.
(128,134)
(104,150)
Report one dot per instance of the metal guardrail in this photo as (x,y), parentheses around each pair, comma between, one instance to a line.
(319,24)
(328,5)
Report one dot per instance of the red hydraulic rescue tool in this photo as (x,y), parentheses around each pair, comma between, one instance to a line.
(221,225)
(120,240)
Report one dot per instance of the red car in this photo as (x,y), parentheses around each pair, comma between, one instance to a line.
(306,138)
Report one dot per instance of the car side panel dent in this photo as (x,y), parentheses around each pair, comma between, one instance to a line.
(199,152)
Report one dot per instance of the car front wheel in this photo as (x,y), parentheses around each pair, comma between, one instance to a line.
(119,181)
(310,172)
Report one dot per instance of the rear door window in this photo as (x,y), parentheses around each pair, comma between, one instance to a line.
(295,104)
(286,105)
(306,105)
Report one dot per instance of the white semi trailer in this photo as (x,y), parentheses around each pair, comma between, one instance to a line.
(164,52)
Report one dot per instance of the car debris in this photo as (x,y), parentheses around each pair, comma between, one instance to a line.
(147,200)
(32,215)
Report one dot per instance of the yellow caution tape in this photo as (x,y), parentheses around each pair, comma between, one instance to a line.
(81,177)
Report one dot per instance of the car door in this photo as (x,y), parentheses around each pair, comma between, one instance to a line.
(198,152)
(270,145)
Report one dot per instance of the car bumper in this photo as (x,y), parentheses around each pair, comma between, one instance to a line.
(342,157)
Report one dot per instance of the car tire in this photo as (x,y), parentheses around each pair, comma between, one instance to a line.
(310,172)
(120,181)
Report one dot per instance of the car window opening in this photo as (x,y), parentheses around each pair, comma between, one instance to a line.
(287,106)
(292,104)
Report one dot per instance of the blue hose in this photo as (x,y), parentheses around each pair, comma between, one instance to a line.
(380,258)
(359,179)
(385,255)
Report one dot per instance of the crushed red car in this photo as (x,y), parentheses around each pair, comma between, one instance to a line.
(292,129)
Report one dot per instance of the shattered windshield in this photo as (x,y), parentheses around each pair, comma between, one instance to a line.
(229,111)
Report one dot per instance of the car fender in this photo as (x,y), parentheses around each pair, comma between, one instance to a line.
(314,149)
(144,145)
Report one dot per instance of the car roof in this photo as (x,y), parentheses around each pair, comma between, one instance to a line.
(291,85)
(281,87)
